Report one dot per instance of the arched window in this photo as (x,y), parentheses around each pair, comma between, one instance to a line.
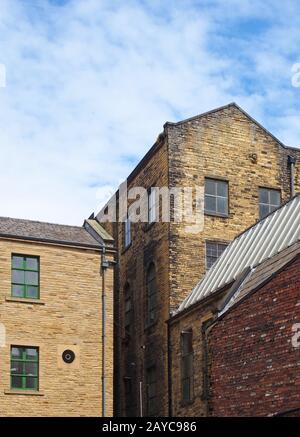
(151,294)
(127,308)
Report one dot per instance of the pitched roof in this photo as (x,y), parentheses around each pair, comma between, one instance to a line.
(277,231)
(47,232)
(258,276)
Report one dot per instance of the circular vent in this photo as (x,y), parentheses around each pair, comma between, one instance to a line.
(68,356)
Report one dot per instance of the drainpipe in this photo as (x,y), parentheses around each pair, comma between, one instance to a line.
(104,266)
(291,163)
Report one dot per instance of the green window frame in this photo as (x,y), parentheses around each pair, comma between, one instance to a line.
(24,368)
(25,276)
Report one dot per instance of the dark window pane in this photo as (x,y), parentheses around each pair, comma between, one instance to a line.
(31,278)
(263,195)
(31,383)
(187,342)
(31,354)
(31,263)
(210,261)
(16,352)
(32,292)
(222,205)
(263,210)
(17,262)
(18,277)
(31,369)
(221,248)
(210,204)
(274,197)
(210,187)
(211,249)
(17,367)
(18,290)
(186,390)
(222,189)
(16,381)
(272,208)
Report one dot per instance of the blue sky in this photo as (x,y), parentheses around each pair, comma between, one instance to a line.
(90,83)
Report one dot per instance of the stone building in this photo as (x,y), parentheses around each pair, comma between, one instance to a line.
(246,172)
(234,341)
(52,282)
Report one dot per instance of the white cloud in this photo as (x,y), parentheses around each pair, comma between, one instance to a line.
(91,83)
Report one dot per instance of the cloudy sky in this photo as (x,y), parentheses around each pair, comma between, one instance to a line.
(90,83)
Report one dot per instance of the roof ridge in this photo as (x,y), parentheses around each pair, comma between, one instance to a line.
(41,222)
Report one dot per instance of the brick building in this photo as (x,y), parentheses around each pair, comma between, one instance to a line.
(255,371)
(52,282)
(234,340)
(246,173)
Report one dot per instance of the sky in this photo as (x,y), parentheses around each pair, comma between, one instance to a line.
(89,85)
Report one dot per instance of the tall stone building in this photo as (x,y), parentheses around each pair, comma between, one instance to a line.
(246,172)
(53,280)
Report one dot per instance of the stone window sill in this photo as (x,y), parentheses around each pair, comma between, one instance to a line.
(24,392)
(215,214)
(24,300)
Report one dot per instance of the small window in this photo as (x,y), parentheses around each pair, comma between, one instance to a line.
(25,276)
(151,294)
(151,391)
(127,233)
(152,205)
(187,363)
(24,368)
(128,309)
(216,197)
(269,200)
(213,251)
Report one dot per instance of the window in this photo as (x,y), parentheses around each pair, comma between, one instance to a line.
(127,234)
(151,294)
(216,197)
(152,205)
(128,310)
(25,276)
(213,251)
(187,359)
(151,390)
(269,200)
(24,368)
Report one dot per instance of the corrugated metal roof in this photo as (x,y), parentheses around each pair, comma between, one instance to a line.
(263,240)
(259,275)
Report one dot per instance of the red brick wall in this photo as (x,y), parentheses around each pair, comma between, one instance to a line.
(255,370)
